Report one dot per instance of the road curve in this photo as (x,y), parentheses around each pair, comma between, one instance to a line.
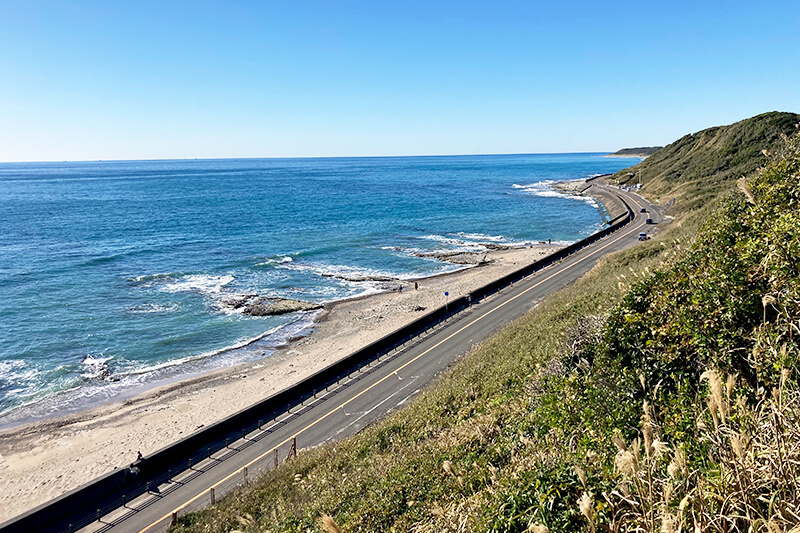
(365,395)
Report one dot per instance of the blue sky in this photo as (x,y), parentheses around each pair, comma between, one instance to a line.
(171,79)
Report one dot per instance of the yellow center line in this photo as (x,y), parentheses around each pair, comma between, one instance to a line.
(332,411)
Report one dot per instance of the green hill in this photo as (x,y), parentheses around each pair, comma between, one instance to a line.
(643,151)
(657,393)
(700,166)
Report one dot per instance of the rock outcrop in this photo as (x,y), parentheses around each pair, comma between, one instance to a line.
(459,258)
(255,305)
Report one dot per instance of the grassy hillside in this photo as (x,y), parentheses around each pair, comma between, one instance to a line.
(700,166)
(609,407)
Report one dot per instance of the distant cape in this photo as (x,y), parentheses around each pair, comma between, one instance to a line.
(643,151)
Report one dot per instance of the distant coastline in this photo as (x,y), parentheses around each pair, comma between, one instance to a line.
(641,152)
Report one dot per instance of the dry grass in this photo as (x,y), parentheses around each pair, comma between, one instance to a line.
(747,483)
(329,525)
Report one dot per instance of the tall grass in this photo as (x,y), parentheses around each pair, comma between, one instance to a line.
(747,482)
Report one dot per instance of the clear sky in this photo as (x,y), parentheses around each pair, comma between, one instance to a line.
(117,79)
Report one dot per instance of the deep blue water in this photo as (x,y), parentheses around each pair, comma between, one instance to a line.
(112,273)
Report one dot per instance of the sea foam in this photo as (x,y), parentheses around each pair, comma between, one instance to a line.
(545,189)
(202,283)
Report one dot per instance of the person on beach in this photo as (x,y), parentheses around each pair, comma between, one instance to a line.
(134,471)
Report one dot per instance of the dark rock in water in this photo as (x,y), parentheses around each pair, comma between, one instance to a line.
(459,258)
(97,368)
(358,277)
(277,306)
(237,300)
(495,246)
(255,305)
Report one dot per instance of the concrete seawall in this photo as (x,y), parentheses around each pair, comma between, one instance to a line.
(614,206)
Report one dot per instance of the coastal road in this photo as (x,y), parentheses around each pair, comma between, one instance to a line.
(367,394)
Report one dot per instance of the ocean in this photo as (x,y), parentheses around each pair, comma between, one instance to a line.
(118,275)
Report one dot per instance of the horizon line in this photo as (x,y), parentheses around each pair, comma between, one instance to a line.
(300,157)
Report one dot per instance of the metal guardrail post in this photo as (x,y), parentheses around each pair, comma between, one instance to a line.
(293,449)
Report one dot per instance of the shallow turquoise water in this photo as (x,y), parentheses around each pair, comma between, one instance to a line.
(112,274)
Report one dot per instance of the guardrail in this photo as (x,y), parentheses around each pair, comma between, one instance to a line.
(88,503)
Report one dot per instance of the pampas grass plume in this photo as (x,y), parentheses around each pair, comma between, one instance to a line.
(647,429)
(715,400)
(618,442)
(626,463)
(581,475)
(328,524)
(586,505)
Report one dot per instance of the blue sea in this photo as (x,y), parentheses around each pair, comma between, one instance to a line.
(114,274)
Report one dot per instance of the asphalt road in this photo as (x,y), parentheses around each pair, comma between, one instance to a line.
(367,395)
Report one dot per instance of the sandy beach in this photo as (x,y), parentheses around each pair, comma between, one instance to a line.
(43,460)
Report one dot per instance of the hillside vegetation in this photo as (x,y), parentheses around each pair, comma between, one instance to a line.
(698,167)
(657,393)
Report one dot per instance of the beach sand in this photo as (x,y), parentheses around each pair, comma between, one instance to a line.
(43,460)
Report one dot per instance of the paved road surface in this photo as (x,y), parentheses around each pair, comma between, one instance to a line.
(365,396)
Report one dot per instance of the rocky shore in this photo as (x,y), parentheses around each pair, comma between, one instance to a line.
(255,305)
